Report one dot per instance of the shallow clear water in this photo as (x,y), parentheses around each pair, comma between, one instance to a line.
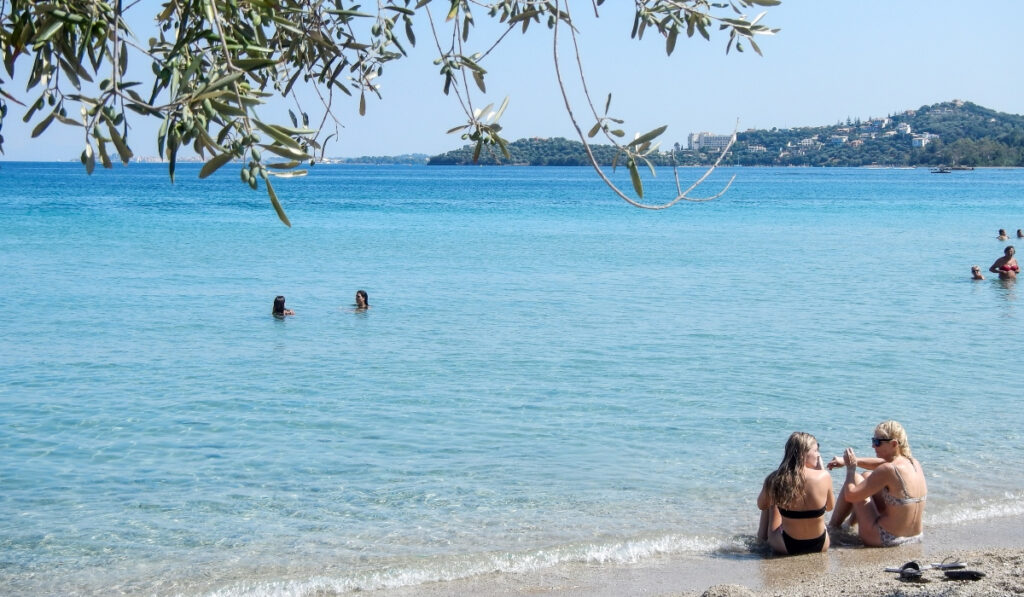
(546,375)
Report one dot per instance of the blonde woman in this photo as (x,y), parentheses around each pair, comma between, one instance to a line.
(794,499)
(887,502)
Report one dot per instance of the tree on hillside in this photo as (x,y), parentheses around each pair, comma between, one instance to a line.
(213,63)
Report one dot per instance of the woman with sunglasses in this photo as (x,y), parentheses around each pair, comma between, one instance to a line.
(887,502)
(794,499)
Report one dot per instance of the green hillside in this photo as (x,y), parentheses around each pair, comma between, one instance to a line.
(950,133)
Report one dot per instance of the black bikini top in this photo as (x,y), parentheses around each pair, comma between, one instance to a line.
(802,513)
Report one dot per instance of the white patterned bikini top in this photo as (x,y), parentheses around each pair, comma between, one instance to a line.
(892,500)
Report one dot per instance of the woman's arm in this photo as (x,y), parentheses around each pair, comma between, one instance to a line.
(995,266)
(763,500)
(865,463)
(870,463)
(856,492)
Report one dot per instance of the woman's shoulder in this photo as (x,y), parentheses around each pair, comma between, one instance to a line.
(817,475)
(885,468)
(884,472)
(903,467)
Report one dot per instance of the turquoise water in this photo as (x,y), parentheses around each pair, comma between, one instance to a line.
(546,376)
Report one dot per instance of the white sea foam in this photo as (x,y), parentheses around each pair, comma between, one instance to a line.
(417,572)
(1010,504)
(414,572)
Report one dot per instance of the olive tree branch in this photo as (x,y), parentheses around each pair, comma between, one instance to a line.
(682,195)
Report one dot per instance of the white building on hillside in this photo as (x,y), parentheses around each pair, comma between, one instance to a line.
(706,141)
(922,139)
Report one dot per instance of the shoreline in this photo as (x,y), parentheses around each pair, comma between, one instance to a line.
(992,546)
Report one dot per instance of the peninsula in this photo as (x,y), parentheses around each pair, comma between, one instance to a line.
(955,133)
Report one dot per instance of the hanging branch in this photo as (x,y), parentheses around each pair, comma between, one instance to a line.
(215,62)
(634,150)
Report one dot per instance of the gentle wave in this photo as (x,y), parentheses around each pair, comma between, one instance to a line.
(451,568)
(1011,504)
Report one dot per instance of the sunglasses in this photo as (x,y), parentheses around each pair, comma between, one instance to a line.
(878,441)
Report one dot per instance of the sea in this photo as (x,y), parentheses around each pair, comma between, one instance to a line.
(546,376)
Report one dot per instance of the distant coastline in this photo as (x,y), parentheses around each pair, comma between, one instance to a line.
(955,134)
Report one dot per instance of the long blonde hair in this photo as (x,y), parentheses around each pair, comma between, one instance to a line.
(786,484)
(893,430)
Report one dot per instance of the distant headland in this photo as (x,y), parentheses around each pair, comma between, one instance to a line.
(954,133)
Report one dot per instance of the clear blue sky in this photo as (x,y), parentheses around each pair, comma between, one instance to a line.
(831,60)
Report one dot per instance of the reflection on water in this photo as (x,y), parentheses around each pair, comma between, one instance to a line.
(1008,287)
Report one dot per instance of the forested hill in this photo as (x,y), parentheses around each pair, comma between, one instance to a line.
(950,133)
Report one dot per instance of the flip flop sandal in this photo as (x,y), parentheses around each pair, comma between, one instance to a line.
(965,574)
(910,566)
(949,564)
(910,571)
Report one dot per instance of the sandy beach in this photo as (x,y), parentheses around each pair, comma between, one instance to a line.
(993,547)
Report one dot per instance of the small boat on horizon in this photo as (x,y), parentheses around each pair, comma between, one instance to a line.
(941,170)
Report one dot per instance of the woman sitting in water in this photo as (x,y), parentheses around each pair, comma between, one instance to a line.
(976,273)
(1020,233)
(279,310)
(1002,235)
(794,499)
(888,501)
(1006,266)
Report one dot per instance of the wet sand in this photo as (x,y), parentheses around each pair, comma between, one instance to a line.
(994,547)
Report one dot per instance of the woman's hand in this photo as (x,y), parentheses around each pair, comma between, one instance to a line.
(850,458)
(836,462)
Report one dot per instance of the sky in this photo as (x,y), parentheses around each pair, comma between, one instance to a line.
(830,61)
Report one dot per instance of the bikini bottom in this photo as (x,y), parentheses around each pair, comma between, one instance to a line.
(890,540)
(800,546)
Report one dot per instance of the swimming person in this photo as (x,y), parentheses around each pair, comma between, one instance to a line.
(1006,266)
(1020,233)
(976,273)
(794,499)
(887,502)
(279,310)
(362,300)
(1002,235)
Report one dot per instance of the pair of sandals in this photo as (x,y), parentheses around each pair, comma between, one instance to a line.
(953,569)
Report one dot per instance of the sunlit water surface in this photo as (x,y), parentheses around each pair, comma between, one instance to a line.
(545,376)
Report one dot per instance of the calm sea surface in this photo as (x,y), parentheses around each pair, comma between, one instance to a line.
(547,376)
